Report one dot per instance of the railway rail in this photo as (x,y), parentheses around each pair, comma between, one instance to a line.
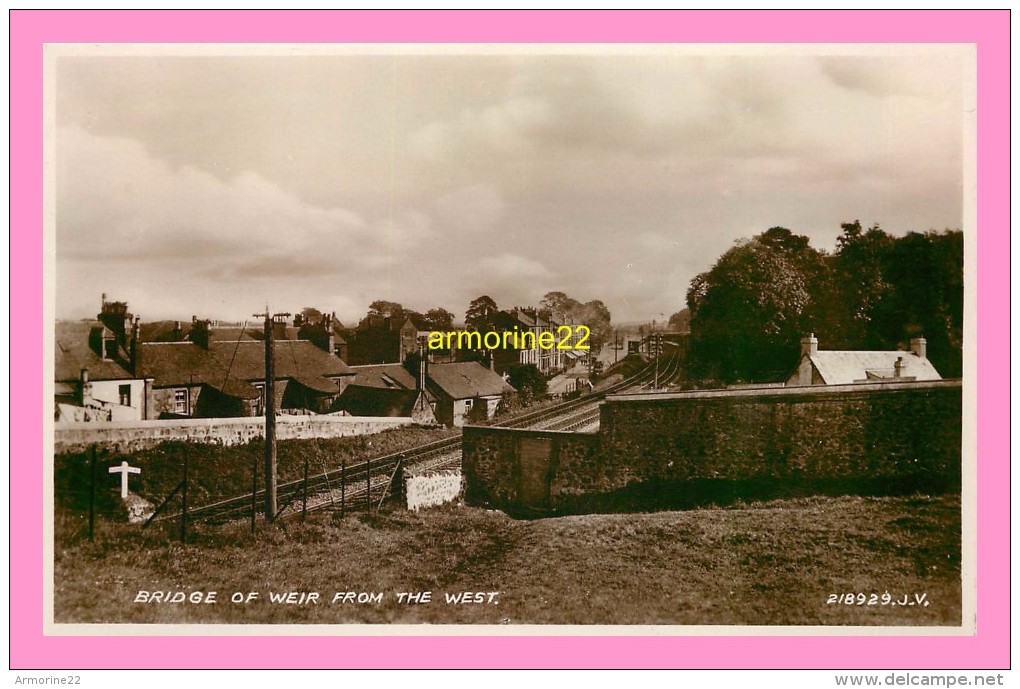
(367,484)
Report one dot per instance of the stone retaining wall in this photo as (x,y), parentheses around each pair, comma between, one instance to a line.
(880,434)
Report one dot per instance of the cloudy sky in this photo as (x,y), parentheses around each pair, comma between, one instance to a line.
(211,184)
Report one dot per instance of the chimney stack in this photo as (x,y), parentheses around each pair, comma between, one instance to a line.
(809,345)
(201,333)
(898,368)
(919,346)
(280,328)
(178,333)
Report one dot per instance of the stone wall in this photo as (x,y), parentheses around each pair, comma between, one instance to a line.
(873,430)
(136,435)
(530,471)
(723,442)
(432,488)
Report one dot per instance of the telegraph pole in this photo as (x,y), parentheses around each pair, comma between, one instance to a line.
(270,408)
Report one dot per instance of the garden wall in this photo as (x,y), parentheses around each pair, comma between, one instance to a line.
(137,435)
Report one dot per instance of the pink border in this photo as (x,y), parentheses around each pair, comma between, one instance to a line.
(29,30)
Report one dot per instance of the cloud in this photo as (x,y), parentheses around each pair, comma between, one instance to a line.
(115,201)
(503,128)
(474,208)
(514,266)
(123,215)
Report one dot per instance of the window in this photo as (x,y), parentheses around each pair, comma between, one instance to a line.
(124,392)
(468,403)
(181,402)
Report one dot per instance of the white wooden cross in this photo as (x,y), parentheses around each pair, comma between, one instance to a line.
(124,470)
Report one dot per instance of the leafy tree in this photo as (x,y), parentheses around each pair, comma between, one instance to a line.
(479,412)
(593,314)
(528,381)
(860,286)
(680,321)
(750,310)
(381,307)
(926,275)
(876,292)
(438,319)
(311,315)
(412,362)
(480,312)
(558,305)
(509,402)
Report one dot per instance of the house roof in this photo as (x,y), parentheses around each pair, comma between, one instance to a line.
(361,400)
(73,352)
(232,366)
(163,331)
(466,380)
(844,367)
(293,358)
(393,376)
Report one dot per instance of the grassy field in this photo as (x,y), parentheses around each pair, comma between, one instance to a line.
(778,562)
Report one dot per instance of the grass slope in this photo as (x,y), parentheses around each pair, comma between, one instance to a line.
(761,564)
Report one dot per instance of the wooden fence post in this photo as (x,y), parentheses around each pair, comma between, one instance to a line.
(304,493)
(92,496)
(184,503)
(343,488)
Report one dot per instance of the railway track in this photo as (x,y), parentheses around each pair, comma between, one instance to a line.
(369,483)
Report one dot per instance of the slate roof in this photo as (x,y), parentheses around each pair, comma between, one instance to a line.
(73,353)
(388,377)
(467,380)
(844,367)
(231,366)
(163,331)
(392,376)
(361,400)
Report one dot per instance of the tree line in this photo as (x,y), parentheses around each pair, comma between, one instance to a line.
(874,292)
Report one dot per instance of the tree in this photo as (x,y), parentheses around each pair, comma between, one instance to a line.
(311,315)
(412,363)
(859,286)
(876,292)
(558,305)
(750,310)
(681,321)
(381,307)
(480,312)
(439,319)
(596,316)
(593,314)
(925,272)
(528,381)
(509,402)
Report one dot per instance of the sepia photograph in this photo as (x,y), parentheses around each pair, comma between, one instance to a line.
(510,339)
